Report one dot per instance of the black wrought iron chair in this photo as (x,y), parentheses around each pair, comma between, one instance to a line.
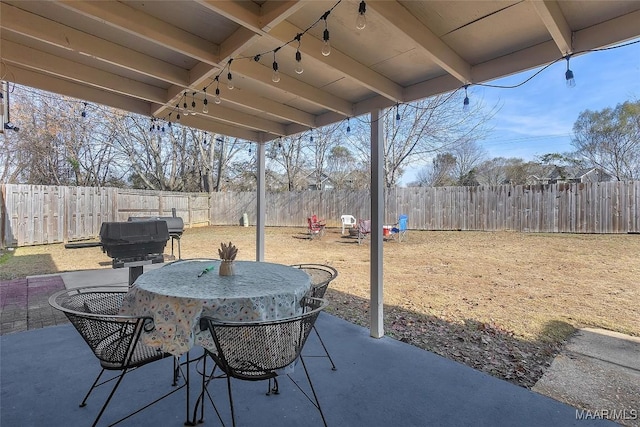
(321,276)
(255,351)
(114,339)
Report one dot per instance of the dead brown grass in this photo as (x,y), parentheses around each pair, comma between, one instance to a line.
(502,302)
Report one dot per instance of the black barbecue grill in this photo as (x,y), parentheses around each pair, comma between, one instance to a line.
(175,225)
(131,244)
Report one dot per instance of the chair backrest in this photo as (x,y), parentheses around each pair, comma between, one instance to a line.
(321,276)
(348,219)
(402,222)
(112,338)
(364,226)
(255,350)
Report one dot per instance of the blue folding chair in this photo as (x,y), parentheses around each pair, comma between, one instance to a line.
(399,231)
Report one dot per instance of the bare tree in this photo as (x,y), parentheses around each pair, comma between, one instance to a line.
(610,139)
(288,157)
(61,141)
(414,132)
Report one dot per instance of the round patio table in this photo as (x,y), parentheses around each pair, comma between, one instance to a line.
(178,294)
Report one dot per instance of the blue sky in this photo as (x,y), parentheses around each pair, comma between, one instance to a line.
(537,117)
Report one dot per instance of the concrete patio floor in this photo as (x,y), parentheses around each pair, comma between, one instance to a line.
(45,372)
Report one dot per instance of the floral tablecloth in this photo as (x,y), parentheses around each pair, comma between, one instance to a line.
(177,295)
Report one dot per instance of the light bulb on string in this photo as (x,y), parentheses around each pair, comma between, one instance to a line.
(326,46)
(348,126)
(184,104)
(178,118)
(465,103)
(568,75)
(193,104)
(361,20)
(216,98)
(84,110)
(230,85)
(397,114)
(205,102)
(275,77)
(298,69)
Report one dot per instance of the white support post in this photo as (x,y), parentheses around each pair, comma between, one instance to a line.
(377,219)
(261,196)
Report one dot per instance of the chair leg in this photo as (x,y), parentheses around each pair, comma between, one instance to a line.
(106,403)
(333,365)
(313,390)
(233,415)
(84,401)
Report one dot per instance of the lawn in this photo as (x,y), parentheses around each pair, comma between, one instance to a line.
(501,302)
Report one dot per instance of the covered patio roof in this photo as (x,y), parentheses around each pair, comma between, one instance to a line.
(155,57)
(143,56)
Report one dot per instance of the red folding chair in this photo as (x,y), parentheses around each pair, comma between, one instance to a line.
(316,227)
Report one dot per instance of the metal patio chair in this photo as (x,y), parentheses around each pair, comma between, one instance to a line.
(255,351)
(114,339)
(321,276)
(316,227)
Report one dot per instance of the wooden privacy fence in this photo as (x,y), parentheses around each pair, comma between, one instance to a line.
(33,214)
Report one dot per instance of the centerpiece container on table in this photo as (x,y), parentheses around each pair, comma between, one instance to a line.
(227,255)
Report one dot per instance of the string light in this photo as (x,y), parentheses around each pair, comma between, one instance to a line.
(397,113)
(568,75)
(298,68)
(275,77)
(205,102)
(216,98)
(230,85)
(193,104)
(465,103)
(326,46)
(84,110)
(348,125)
(361,20)
(184,104)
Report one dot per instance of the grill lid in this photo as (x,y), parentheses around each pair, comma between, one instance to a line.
(133,239)
(175,224)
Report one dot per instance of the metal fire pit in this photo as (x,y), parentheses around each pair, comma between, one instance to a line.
(131,244)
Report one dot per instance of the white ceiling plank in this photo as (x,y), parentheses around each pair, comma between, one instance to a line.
(359,73)
(47,31)
(273,13)
(610,32)
(398,16)
(292,85)
(46,63)
(246,13)
(220,112)
(555,22)
(125,18)
(268,106)
(213,126)
(53,84)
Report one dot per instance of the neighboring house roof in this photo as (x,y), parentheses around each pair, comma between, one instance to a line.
(570,174)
